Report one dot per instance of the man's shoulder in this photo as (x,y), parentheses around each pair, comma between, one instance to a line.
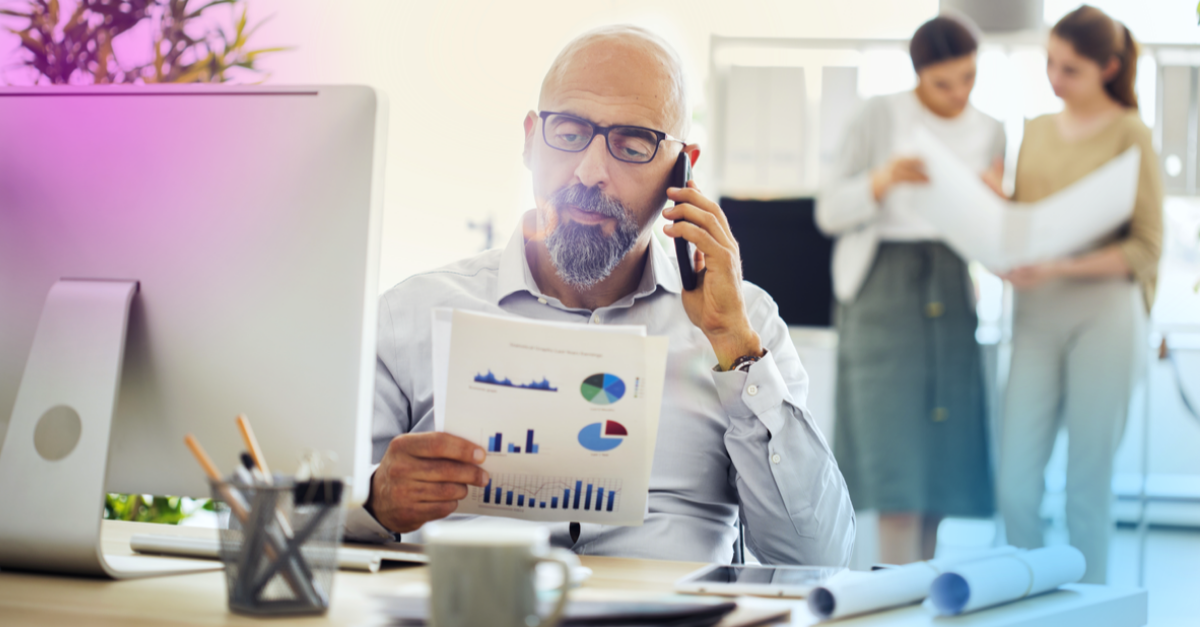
(473,277)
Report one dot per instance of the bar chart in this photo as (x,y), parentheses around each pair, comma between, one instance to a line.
(496,443)
(589,494)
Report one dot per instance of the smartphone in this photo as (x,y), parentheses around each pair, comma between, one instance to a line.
(684,250)
(738,579)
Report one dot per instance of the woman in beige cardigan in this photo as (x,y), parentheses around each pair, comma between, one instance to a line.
(1079,326)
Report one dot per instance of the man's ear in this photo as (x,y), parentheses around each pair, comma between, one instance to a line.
(531,119)
(693,153)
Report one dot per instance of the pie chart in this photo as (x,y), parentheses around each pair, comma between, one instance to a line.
(602,436)
(603,389)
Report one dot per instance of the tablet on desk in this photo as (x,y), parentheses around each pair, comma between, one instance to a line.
(738,579)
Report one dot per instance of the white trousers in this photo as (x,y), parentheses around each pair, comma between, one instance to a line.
(1077,348)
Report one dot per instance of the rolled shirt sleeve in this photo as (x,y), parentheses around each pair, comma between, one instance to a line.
(793,498)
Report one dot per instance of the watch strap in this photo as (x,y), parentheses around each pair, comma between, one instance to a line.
(744,362)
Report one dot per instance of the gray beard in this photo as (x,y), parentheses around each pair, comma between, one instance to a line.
(581,253)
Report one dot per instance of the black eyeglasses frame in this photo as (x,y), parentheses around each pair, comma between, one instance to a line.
(598,130)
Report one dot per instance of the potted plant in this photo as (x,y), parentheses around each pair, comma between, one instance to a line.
(88,42)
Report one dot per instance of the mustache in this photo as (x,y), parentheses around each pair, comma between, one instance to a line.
(590,199)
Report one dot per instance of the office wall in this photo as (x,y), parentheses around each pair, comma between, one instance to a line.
(1161,21)
(462,75)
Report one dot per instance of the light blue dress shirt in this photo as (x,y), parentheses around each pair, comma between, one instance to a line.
(728,442)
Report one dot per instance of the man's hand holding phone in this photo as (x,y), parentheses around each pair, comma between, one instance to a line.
(716,305)
(422,477)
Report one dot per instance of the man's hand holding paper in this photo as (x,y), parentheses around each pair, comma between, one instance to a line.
(422,477)
(568,414)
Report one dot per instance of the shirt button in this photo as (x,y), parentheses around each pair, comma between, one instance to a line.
(935,309)
(775,458)
(542,301)
(752,390)
(940,414)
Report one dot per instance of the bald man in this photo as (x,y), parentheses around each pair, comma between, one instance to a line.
(735,441)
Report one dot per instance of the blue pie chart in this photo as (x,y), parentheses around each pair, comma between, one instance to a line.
(595,437)
(602,389)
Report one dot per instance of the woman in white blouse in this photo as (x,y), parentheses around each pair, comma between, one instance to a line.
(911,435)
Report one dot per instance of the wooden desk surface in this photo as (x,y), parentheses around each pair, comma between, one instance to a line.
(199,599)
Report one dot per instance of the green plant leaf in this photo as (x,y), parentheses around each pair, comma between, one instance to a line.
(30,43)
(261,51)
(61,46)
(213,3)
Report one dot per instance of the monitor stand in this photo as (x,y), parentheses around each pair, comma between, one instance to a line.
(55,455)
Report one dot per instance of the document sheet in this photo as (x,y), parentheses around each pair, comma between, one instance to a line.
(568,413)
(1002,235)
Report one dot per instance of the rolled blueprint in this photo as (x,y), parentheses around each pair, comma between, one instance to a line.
(976,585)
(857,593)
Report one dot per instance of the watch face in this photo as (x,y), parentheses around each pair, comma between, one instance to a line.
(743,363)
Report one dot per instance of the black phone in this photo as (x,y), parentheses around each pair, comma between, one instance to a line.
(683,248)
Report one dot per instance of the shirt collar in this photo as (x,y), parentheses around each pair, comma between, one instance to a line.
(515,276)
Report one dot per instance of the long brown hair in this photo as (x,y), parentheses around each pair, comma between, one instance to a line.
(1098,37)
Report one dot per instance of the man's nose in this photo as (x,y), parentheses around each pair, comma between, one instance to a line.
(592,170)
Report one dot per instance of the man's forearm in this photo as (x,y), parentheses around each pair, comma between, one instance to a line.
(793,498)
(361,524)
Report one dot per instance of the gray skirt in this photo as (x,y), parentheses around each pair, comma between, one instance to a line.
(911,432)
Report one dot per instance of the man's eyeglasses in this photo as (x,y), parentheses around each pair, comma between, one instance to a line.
(631,144)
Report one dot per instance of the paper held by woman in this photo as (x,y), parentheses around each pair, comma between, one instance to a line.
(1002,234)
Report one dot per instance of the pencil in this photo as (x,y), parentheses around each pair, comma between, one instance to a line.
(300,585)
(214,475)
(206,462)
(260,460)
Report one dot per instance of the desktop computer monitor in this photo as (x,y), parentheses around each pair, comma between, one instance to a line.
(171,257)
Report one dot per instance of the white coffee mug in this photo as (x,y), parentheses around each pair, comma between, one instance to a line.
(484,574)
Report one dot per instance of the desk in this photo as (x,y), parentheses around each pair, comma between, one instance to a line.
(187,600)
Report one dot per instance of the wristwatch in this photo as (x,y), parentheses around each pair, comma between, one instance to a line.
(744,362)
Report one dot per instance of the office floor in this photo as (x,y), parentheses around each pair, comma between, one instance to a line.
(1172,564)
(1172,573)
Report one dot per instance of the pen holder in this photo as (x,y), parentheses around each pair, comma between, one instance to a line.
(280,544)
